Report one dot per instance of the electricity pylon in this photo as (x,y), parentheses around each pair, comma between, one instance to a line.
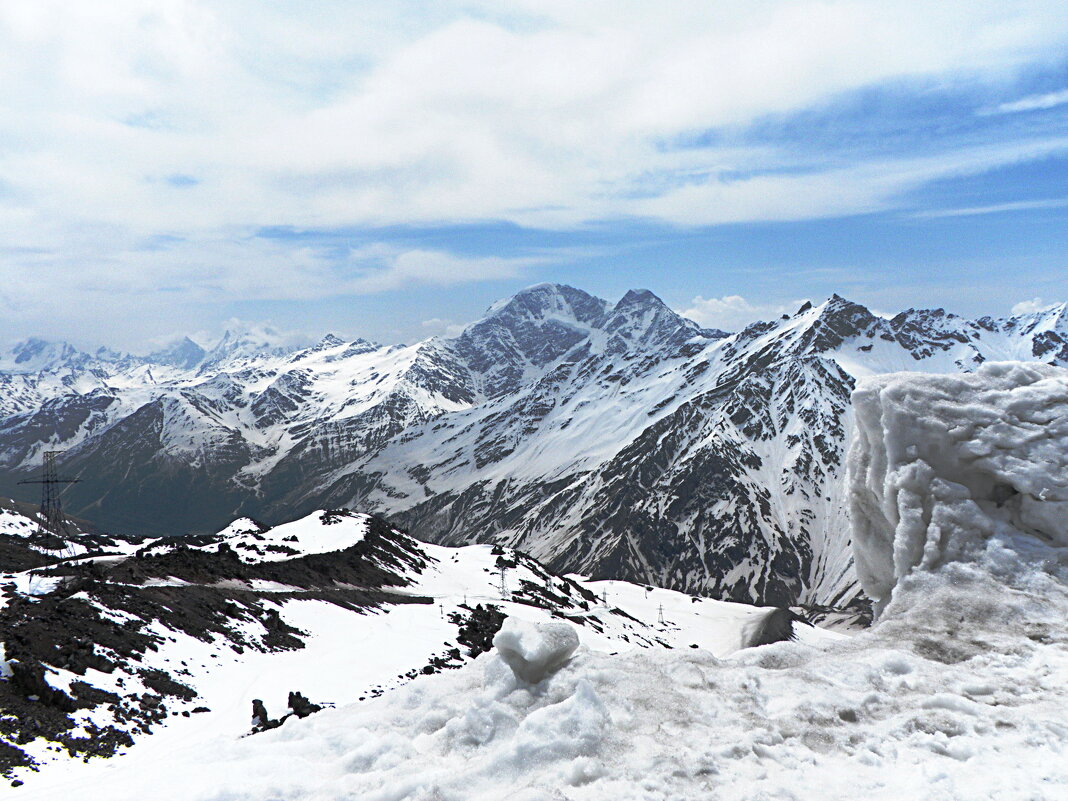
(51,519)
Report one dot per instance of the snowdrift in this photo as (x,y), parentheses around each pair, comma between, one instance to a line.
(940,465)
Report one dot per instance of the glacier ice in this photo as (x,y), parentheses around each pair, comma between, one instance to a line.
(940,464)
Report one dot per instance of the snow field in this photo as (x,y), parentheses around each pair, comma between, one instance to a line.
(882,716)
(308,535)
(352,656)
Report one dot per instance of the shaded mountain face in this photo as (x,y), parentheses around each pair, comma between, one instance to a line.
(617,440)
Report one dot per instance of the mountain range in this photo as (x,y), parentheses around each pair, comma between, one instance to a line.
(617,440)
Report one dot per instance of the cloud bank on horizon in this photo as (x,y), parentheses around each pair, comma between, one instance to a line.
(181,156)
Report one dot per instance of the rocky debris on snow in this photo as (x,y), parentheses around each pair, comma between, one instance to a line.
(477,628)
(260,719)
(109,615)
(775,626)
(130,639)
(299,707)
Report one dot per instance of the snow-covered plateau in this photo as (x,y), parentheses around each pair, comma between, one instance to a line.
(958,691)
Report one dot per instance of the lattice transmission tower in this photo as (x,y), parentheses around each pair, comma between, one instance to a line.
(51,520)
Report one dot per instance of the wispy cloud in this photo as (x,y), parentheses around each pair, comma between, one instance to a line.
(399,268)
(1031,103)
(263,117)
(1031,306)
(438,326)
(860,188)
(994,208)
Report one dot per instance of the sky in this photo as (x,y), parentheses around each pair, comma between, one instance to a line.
(388,170)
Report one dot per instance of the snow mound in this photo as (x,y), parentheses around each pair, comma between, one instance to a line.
(942,465)
(535,650)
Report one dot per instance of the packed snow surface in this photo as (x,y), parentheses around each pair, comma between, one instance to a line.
(941,463)
(958,694)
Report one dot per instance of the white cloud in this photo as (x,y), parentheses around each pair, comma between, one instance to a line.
(995,208)
(362,117)
(264,333)
(435,268)
(327,115)
(733,312)
(439,327)
(1030,306)
(130,294)
(857,189)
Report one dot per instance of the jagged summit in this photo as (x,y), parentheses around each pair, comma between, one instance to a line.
(545,301)
(330,341)
(35,355)
(1053,318)
(832,322)
(642,317)
(638,297)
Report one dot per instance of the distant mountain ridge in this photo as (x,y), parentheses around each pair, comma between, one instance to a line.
(36,355)
(618,439)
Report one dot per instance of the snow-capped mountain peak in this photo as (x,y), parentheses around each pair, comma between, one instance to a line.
(328,341)
(1052,318)
(518,338)
(247,342)
(35,355)
(640,317)
(548,301)
(183,353)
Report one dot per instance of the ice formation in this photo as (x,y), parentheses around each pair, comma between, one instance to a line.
(534,650)
(942,463)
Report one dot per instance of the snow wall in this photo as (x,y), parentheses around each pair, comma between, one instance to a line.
(941,465)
